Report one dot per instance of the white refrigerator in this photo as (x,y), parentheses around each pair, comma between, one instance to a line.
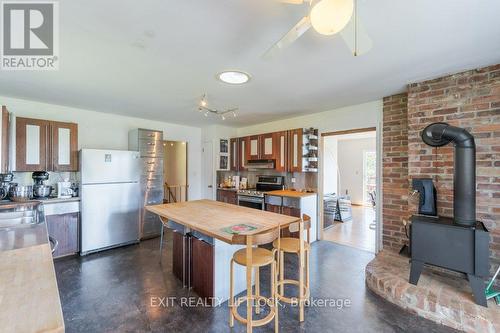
(110,198)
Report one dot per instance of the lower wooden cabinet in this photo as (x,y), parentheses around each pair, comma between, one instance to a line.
(65,229)
(273,208)
(193,263)
(227,196)
(202,263)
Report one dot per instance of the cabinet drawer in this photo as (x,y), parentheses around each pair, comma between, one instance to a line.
(153,197)
(291,202)
(150,135)
(151,148)
(273,200)
(152,166)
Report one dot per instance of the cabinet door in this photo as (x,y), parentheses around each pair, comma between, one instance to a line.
(273,208)
(202,261)
(232,197)
(242,153)
(253,149)
(64,228)
(64,146)
(290,211)
(4,161)
(180,258)
(281,150)
(268,146)
(233,152)
(31,144)
(295,150)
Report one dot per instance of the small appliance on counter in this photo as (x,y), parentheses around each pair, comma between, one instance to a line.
(64,189)
(5,184)
(40,190)
(20,193)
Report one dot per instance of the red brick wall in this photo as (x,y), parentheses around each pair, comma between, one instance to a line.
(469,99)
(395,170)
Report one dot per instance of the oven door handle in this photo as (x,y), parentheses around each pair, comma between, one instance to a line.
(250,199)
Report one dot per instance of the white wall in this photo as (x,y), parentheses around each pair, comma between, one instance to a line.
(330,165)
(109,131)
(354,116)
(350,164)
(210,136)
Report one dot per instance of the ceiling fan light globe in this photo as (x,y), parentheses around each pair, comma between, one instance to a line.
(329,17)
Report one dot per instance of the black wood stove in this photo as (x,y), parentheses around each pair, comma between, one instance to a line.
(459,243)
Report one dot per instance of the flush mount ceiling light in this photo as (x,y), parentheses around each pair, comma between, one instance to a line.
(223,114)
(233,77)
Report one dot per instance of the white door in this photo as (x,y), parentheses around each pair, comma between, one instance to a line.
(208,171)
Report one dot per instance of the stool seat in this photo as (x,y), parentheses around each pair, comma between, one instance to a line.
(260,257)
(291,245)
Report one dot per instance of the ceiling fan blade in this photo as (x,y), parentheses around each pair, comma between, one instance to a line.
(291,36)
(349,34)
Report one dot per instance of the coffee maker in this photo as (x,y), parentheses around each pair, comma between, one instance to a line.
(5,183)
(40,190)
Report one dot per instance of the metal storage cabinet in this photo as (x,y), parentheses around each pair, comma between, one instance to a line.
(149,144)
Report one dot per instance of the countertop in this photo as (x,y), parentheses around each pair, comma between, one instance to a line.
(29,297)
(212,217)
(59,200)
(232,189)
(291,194)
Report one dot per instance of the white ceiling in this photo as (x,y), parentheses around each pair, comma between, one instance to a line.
(154,59)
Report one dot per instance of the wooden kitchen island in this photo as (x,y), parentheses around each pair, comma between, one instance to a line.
(204,223)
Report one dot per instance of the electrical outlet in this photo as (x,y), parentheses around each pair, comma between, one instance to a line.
(293,180)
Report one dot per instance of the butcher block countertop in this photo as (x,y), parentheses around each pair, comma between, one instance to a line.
(29,298)
(290,193)
(211,217)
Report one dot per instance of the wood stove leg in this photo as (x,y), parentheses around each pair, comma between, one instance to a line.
(415,270)
(477,285)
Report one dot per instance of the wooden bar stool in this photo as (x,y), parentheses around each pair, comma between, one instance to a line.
(254,258)
(302,249)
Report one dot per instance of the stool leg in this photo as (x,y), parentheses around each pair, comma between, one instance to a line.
(257,289)
(301,288)
(161,242)
(282,271)
(231,294)
(249,283)
(273,296)
(308,253)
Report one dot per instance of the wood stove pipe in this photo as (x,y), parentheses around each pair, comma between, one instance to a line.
(464,175)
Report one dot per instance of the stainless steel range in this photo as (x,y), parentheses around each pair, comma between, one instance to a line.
(254,198)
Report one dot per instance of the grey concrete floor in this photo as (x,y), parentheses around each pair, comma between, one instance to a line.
(119,291)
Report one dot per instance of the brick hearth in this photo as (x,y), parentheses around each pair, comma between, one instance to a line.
(443,297)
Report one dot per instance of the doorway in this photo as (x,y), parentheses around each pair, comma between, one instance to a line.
(175,171)
(350,187)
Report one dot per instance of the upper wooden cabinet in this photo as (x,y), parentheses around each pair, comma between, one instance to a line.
(281,151)
(46,145)
(243,144)
(261,147)
(64,146)
(295,150)
(253,151)
(267,146)
(233,154)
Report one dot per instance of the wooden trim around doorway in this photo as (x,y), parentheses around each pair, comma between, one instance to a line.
(351,131)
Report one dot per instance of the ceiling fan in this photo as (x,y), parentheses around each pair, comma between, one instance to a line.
(328,17)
